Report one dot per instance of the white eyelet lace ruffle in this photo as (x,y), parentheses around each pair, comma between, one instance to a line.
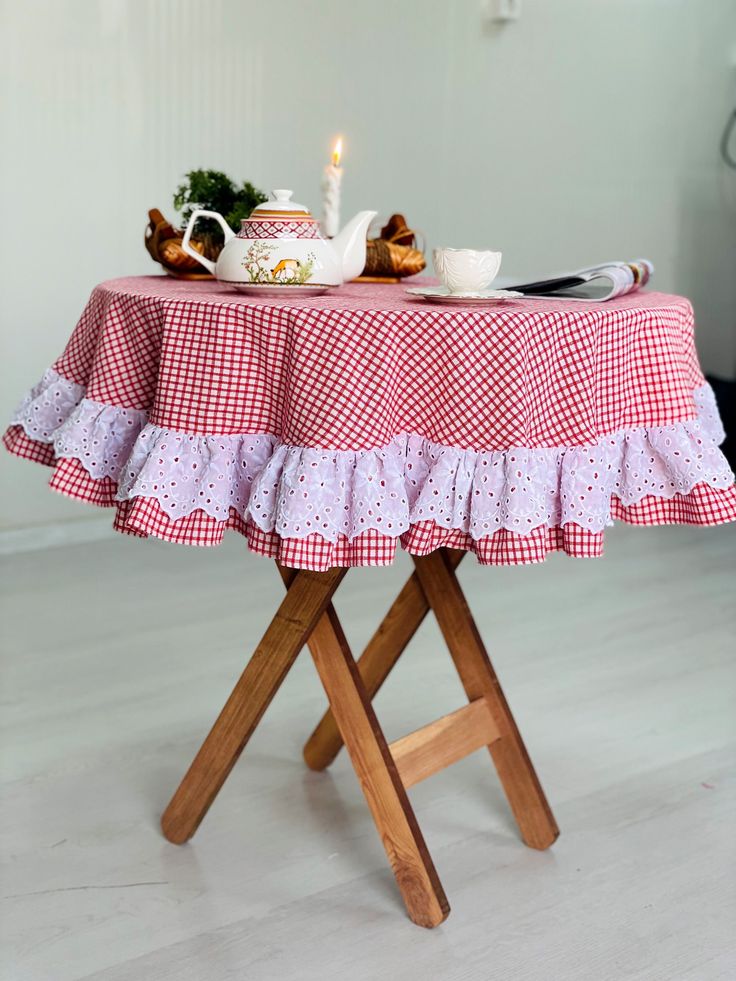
(47,406)
(101,437)
(303,491)
(186,473)
(297,492)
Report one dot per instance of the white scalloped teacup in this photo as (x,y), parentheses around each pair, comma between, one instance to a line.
(466,270)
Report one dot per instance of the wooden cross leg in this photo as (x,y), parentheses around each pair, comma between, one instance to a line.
(384,771)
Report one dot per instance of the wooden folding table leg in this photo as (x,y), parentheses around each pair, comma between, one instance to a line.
(375,663)
(521,785)
(374,766)
(301,608)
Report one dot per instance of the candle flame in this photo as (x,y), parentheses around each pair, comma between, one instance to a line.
(337,152)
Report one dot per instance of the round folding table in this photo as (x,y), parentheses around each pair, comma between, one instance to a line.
(330,429)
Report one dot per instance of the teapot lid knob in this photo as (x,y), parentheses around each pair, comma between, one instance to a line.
(281,207)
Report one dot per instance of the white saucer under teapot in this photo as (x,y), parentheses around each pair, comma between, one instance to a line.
(280,246)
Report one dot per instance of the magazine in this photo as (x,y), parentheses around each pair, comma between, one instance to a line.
(594,283)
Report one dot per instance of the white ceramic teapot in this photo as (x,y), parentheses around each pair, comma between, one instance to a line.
(279,248)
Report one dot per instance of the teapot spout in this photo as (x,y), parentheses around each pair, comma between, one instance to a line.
(349,244)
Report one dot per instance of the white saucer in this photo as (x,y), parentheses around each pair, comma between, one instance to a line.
(269,289)
(441,294)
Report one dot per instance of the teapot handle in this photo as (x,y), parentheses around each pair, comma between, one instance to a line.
(208,264)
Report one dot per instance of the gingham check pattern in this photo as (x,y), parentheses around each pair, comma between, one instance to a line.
(353,370)
(18,443)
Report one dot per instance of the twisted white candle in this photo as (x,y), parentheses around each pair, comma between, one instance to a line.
(331,181)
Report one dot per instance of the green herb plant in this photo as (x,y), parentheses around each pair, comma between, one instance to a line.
(213,190)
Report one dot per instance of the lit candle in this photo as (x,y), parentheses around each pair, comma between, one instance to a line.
(331,193)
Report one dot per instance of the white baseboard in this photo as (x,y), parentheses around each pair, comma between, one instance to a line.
(36,537)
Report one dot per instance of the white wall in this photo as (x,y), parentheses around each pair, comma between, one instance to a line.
(585,131)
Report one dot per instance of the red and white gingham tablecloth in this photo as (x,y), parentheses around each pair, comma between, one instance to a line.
(329,428)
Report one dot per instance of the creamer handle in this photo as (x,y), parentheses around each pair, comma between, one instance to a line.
(208,264)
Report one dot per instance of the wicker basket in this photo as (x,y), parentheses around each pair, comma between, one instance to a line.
(393,255)
(163,242)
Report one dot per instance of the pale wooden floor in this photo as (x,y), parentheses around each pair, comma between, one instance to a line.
(119,655)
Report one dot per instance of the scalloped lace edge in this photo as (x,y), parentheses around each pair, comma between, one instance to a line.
(301,491)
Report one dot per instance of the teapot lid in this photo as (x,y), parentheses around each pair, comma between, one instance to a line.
(282,207)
